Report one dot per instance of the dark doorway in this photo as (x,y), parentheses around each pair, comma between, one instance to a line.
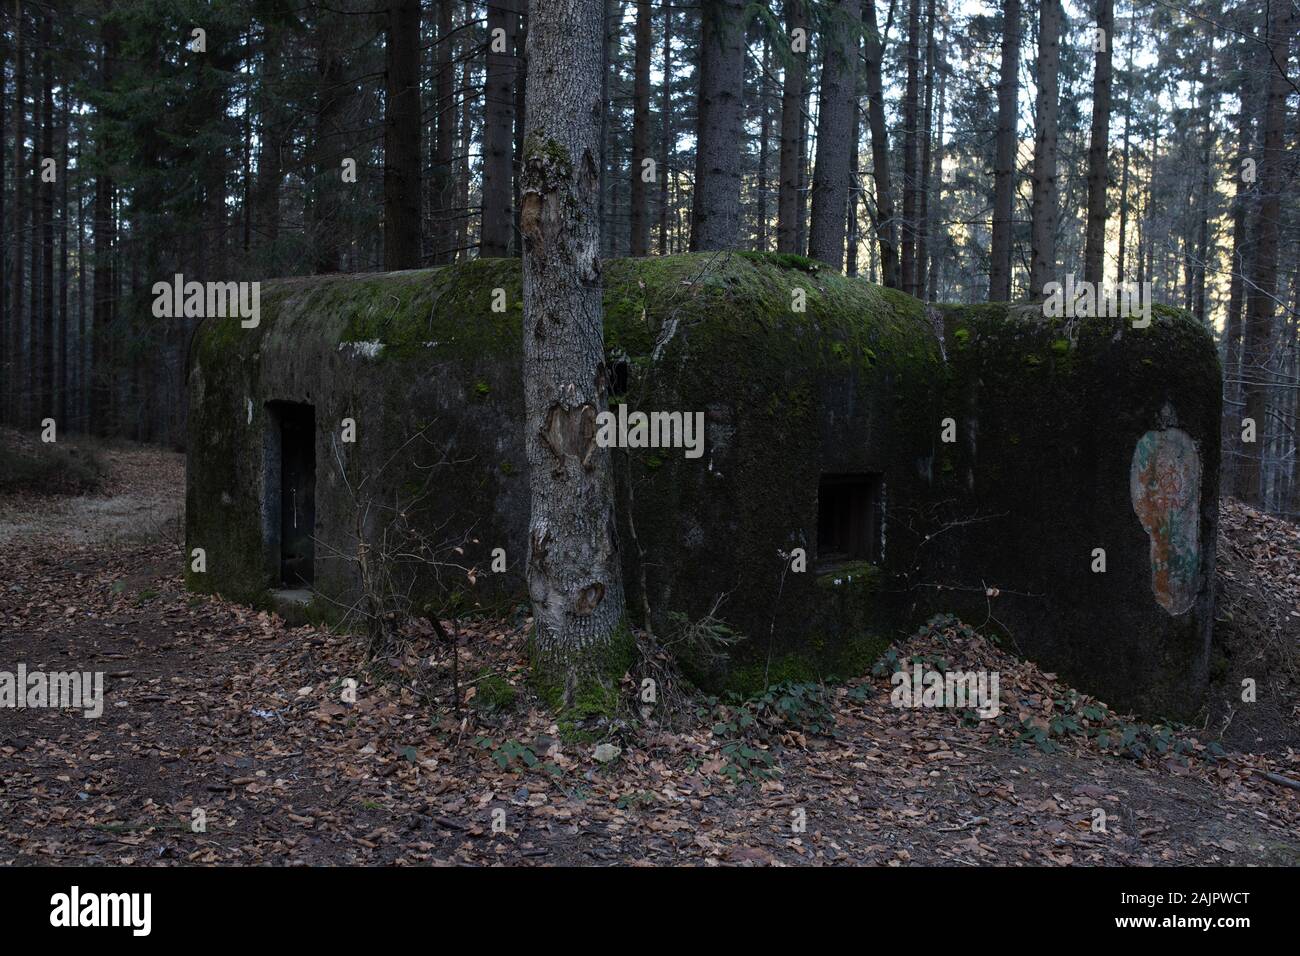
(848,518)
(297,493)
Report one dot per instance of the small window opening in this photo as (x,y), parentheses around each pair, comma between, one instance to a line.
(848,518)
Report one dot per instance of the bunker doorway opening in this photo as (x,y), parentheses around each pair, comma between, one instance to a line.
(291,488)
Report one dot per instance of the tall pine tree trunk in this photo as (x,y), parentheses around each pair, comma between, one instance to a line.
(1004,170)
(1291,503)
(764,134)
(666,128)
(521,92)
(65,408)
(1256,366)
(574,575)
(498,129)
(715,204)
(1203,202)
(8,320)
(1236,306)
(443,189)
(801,215)
(927,130)
(1044,213)
(602,191)
(271,128)
(1094,255)
(855,178)
(35,363)
(935,223)
(402,136)
(830,187)
(1122,252)
(85,332)
(48,188)
(792,132)
(463,166)
(910,113)
(886,225)
(103,392)
(639,239)
(327,146)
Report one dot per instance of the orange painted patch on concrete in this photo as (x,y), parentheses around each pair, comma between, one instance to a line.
(1165,485)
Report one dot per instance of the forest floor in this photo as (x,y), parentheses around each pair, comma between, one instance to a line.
(213,707)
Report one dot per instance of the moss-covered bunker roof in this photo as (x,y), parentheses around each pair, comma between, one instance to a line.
(449,312)
(742,304)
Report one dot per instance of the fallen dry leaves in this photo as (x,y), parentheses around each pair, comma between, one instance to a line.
(217,708)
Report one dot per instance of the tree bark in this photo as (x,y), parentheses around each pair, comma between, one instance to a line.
(855,180)
(1004,170)
(34,364)
(46,396)
(574,575)
(1044,214)
(602,191)
(830,187)
(402,136)
(639,240)
(792,133)
(1122,252)
(1257,347)
(103,394)
(463,170)
(65,409)
(327,147)
(764,133)
(927,130)
(1291,505)
(715,204)
(935,216)
(910,112)
(801,215)
(886,225)
(271,131)
(1203,203)
(443,181)
(49,334)
(1236,306)
(521,93)
(666,124)
(1094,255)
(498,129)
(8,318)
(84,332)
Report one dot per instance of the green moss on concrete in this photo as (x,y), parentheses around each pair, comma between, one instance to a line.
(221,521)
(838,659)
(731,341)
(1049,412)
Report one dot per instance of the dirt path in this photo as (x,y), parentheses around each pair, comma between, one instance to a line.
(143,500)
(216,708)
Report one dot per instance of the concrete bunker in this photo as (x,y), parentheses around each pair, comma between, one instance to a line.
(823,432)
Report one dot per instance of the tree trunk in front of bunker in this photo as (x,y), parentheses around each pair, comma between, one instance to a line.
(574,575)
